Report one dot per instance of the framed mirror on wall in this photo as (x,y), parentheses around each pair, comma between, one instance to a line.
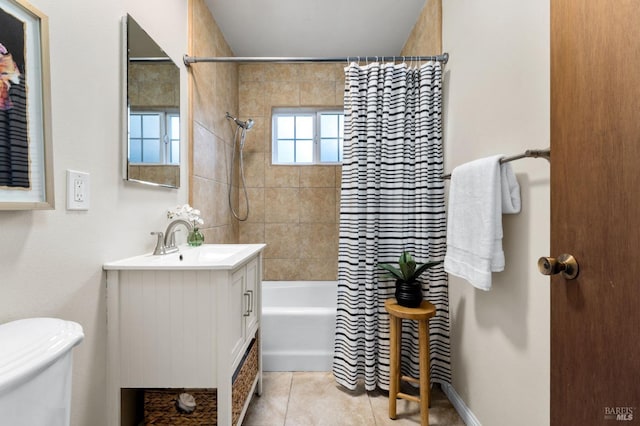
(151,89)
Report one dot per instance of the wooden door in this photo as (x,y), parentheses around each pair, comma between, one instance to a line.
(595,211)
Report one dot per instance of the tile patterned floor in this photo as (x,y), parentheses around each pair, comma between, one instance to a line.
(314,399)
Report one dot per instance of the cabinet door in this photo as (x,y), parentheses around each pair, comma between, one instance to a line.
(253,290)
(237,309)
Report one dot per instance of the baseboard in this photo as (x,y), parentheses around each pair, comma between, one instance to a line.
(465,413)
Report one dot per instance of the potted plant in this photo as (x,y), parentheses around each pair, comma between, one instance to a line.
(408,288)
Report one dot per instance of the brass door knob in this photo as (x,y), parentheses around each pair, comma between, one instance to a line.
(565,263)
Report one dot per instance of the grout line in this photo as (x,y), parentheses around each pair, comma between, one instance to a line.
(375,421)
(286,410)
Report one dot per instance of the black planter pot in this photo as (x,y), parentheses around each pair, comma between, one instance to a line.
(408,294)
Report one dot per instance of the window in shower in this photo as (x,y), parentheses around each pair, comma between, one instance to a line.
(154,137)
(307,136)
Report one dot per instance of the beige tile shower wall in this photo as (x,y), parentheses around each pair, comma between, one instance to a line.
(162,174)
(294,209)
(426,36)
(153,84)
(213,92)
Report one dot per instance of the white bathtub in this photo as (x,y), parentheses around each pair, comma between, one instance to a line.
(298,325)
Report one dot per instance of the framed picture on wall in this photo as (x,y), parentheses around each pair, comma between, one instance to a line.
(26,163)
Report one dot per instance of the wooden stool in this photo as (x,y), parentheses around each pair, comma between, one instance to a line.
(421,314)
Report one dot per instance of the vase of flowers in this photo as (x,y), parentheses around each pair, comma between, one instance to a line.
(408,289)
(195,237)
(191,215)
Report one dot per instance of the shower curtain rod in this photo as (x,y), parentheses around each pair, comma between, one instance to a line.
(530,153)
(188,60)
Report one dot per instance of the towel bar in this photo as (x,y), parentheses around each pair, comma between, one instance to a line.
(530,153)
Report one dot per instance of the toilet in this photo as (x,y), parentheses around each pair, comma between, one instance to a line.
(35,371)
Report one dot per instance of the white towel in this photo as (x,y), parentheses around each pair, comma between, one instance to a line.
(480,192)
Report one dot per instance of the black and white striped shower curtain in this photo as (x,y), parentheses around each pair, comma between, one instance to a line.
(392,200)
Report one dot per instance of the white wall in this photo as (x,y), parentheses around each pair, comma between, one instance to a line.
(50,261)
(498,102)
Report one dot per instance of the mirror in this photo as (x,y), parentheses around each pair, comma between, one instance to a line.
(151,147)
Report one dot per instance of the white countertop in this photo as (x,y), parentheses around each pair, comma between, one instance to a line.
(207,256)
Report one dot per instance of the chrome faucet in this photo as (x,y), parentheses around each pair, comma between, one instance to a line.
(160,249)
(170,234)
(167,242)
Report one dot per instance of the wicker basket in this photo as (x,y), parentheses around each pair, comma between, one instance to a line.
(160,407)
(244,380)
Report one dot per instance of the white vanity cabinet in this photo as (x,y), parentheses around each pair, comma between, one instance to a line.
(244,294)
(184,321)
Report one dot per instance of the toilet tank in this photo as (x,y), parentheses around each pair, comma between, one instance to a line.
(35,371)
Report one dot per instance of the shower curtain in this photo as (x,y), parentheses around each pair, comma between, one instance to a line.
(392,200)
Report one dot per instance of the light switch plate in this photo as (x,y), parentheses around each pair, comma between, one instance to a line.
(77,190)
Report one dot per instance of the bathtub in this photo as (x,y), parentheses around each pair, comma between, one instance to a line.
(298,325)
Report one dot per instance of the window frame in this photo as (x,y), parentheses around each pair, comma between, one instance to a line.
(316,113)
(165,116)
(169,141)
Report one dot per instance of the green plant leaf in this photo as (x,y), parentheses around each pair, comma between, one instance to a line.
(424,267)
(393,271)
(407,265)
(405,257)
(408,268)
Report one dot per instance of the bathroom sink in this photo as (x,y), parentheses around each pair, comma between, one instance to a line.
(218,252)
(207,256)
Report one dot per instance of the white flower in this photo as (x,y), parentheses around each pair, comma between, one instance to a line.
(186,212)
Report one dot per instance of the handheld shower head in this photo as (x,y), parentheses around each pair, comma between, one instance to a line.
(244,124)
